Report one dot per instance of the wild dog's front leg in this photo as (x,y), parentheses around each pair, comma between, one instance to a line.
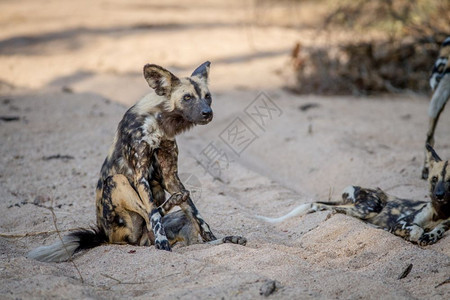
(434,235)
(167,156)
(430,141)
(440,97)
(140,161)
(174,185)
(410,232)
(161,241)
(205,232)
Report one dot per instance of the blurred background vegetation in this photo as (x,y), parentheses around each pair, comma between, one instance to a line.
(310,46)
(364,47)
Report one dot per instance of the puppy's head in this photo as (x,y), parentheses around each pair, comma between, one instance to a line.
(439,180)
(188,98)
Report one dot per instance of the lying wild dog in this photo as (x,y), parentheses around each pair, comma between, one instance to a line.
(420,222)
(142,165)
(440,85)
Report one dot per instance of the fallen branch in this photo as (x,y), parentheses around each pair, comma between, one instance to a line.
(125,282)
(9,118)
(406,272)
(443,282)
(58,156)
(61,239)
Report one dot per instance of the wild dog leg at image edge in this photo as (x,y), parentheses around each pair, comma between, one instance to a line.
(141,166)
(421,222)
(440,85)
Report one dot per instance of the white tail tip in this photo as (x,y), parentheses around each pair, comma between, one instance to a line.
(57,252)
(298,211)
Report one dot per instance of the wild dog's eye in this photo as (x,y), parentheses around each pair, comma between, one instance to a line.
(208,96)
(434,179)
(187,97)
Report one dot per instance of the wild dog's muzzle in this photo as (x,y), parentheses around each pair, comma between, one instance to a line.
(205,115)
(439,192)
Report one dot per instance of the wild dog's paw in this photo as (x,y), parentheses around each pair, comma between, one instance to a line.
(175,200)
(428,239)
(178,198)
(235,239)
(163,245)
(431,237)
(185,196)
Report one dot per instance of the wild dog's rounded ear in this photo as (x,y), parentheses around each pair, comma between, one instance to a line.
(202,71)
(160,79)
(433,157)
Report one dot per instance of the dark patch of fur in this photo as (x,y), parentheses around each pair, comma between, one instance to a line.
(196,88)
(202,70)
(90,238)
(173,123)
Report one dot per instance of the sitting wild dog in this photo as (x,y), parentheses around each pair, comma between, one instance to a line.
(440,85)
(420,222)
(141,166)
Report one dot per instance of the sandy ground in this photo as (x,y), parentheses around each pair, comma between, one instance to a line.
(70,70)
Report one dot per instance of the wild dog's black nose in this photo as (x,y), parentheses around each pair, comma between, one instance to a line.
(207,113)
(439,191)
(439,194)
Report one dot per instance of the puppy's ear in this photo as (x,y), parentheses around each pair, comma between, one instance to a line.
(160,79)
(202,71)
(432,155)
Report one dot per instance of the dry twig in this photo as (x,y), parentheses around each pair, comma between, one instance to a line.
(28,234)
(61,239)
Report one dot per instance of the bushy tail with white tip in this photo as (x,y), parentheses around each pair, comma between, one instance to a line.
(66,247)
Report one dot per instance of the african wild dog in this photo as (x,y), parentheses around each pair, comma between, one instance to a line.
(141,166)
(440,85)
(420,222)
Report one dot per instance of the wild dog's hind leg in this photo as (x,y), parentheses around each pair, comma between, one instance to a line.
(410,232)
(233,239)
(179,228)
(361,203)
(347,209)
(122,214)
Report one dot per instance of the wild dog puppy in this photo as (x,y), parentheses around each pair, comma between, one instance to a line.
(440,85)
(141,166)
(421,222)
